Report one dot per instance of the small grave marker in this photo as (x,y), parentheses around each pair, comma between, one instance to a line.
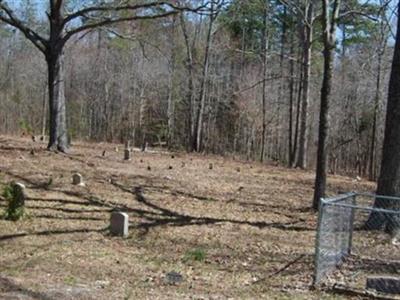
(384,284)
(127,154)
(173,278)
(119,223)
(77,179)
(19,192)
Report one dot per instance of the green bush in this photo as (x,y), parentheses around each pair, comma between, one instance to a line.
(15,202)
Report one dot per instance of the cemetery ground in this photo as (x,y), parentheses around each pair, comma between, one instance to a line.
(238,230)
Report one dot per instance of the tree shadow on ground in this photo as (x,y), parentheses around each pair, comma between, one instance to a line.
(155,217)
(51,232)
(8,286)
(172,218)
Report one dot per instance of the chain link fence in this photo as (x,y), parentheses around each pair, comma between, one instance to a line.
(352,243)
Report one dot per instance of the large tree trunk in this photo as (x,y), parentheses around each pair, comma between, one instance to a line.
(389,178)
(58,122)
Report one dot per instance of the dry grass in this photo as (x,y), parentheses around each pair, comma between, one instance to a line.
(250,223)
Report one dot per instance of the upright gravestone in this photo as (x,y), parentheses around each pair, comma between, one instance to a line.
(127,151)
(16,205)
(127,154)
(77,179)
(119,223)
(19,194)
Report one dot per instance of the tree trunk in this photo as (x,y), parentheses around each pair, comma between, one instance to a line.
(202,102)
(264,74)
(58,123)
(307,55)
(320,180)
(291,101)
(189,97)
(330,24)
(389,179)
(171,95)
(44,113)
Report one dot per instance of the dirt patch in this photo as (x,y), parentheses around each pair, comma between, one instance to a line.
(249,226)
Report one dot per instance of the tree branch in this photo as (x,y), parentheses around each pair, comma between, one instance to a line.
(83,12)
(105,22)
(13,21)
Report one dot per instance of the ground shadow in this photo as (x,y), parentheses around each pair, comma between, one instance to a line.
(8,286)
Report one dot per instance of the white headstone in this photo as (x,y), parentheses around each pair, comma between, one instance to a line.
(119,223)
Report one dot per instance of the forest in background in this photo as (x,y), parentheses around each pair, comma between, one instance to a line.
(243,80)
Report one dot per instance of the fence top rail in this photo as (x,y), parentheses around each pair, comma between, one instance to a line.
(349,195)
(371,195)
(339,198)
(338,202)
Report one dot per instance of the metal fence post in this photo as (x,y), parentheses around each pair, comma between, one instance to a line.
(351,229)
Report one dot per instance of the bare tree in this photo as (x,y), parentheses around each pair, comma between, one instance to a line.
(330,17)
(61,28)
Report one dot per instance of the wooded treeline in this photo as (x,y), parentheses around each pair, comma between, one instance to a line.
(243,78)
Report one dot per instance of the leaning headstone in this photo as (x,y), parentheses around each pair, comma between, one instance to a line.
(77,179)
(384,284)
(119,223)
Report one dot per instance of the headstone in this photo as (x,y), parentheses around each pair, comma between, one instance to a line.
(384,284)
(119,224)
(127,154)
(19,193)
(77,179)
